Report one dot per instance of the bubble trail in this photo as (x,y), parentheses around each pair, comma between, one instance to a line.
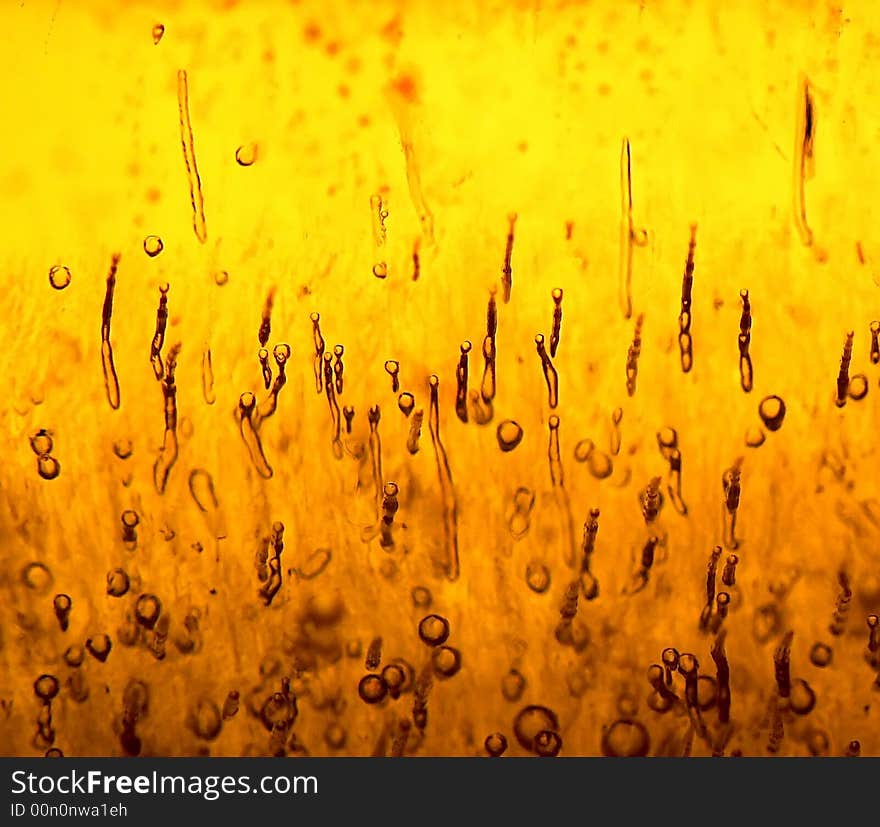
(556,332)
(804,167)
(875,342)
(589,584)
(379,214)
(632,357)
(782,665)
(744,339)
(415,432)
(728,575)
(348,413)
(389,509)
(339,368)
(506,270)
(159,336)
(711,575)
(685,318)
(208,378)
(168,453)
(841,608)
(550,374)
(722,677)
(375,445)
(415,260)
(266,319)
(273,584)
(630,236)
(374,655)
(319,351)
(447,486)
(280,353)
(392,368)
(335,413)
(843,375)
(561,495)
(263,356)
(189,159)
(250,437)
(461,380)
(731,483)
(487,388)
(111,382)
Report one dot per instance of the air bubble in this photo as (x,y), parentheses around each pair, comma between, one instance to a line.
(625,738)
(59,276)
(513,684)
(221,277)
(246,154)
(495,744)
(858,387)
(153,245)
(537,577)
(406,402)
(42,442)
(117,582)
(99,647)
(821,655)
(372,689)
(446,661)
(158,31)
(771,409)
(548,743)
(433,630)
(205,720)
(48,467)
(509,435)
(421,597)
(532,721)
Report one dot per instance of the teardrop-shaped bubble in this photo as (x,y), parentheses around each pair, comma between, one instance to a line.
(246,154)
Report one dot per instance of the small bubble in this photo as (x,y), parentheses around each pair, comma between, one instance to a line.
(48,467)
(59,276)
(531,721)
(625,738)
(99,647)
(446,661)
(707,692)
(771,409)
(316,562)
(230,705)
(821,655)
(54,752)
(537,577)
(421,597)
(513,684)
(755,437)
(246,154)
(372,689)
(548,743)
(853,749)
(153,245)
(406,402)
(495,744)
(74,655)
(42,442)
(858,387)
(117,583)
(46,687)
(335,735)
(818,742)
(583,450)
(158,31)
(37,576)
(509,435)
(433,630)
(147,610)
(205,720)
(130,518)
(221,277)
(380,270)
(802,698)
(123,448)
(394,677)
